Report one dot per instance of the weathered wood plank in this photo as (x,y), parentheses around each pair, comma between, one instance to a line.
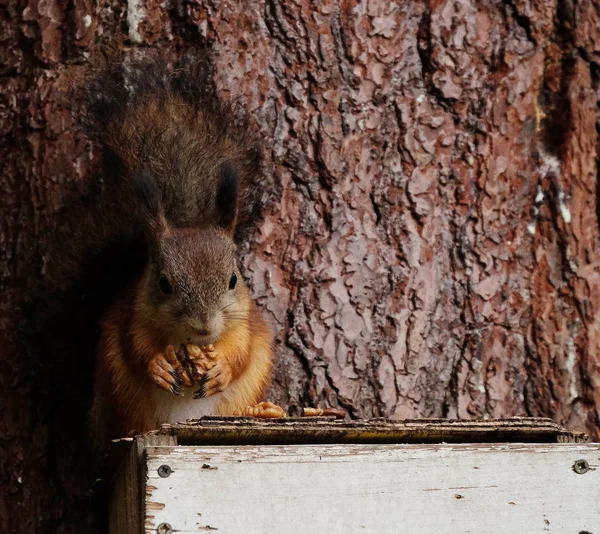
(127,504)
(381,489)
(240,430)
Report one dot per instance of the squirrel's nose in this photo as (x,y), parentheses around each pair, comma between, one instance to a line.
(201,331)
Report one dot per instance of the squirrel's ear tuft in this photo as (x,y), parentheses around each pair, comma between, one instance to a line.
(148,196)
(227,196)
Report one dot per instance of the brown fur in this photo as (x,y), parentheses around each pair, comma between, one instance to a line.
(127,345)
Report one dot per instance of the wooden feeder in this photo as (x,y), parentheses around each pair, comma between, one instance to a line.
(233,475)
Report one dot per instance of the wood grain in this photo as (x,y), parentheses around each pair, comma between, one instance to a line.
(450,489)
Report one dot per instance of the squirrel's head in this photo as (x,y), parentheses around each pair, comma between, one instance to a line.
(193,290)
(193,285)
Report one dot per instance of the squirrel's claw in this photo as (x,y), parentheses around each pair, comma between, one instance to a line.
(164,375)
(215,380)
(181,375)
(176,385)
(200,394)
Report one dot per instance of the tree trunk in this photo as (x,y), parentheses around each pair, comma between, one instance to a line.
(430,245)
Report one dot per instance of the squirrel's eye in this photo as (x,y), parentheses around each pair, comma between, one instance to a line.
(165,285)
(232,281)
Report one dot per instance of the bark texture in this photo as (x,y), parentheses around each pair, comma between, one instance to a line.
(430,249)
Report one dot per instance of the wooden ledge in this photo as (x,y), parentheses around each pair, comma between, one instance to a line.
(316,430)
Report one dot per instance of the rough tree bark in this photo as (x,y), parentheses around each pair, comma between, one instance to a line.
(431,245)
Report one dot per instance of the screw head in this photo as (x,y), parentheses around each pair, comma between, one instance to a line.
(164,528)
(581,467)
(164,471)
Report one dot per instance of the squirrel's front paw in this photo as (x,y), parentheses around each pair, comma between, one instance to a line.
(166,371)
(215,380)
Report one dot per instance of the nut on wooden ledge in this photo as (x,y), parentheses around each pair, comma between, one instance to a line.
(323,412)
(268,410)
(263,410)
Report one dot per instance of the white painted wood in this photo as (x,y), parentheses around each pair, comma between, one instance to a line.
(379,489)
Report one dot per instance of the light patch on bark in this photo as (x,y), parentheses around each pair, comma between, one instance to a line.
(571,362)
(135,14)
(550,164)
(565,213)
(539,197)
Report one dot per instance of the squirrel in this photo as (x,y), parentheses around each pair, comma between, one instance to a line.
(179,187)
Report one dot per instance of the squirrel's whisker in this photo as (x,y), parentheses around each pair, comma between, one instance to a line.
(228,306)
